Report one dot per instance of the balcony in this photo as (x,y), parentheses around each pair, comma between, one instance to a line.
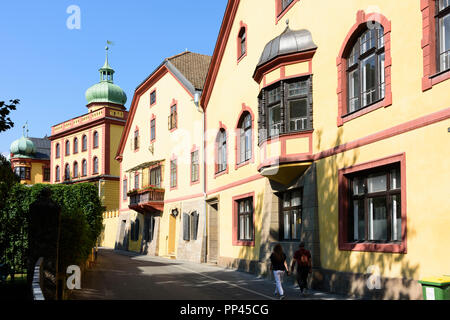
(147,200)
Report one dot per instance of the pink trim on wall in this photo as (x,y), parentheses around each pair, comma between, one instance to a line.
(235,200)
(341,62)
(235,184)
(192,196)
(344,206)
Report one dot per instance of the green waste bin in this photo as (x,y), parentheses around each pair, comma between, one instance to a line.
(436,288)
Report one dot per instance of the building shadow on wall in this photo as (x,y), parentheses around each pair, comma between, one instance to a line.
(351,272)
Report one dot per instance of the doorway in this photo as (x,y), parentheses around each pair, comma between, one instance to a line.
(213,233)
(172,232)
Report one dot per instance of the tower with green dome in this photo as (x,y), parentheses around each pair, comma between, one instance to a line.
(30,158)
(105,93)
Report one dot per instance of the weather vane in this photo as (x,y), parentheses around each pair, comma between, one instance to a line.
(25,126)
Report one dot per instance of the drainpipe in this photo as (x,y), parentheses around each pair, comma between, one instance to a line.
(200,109)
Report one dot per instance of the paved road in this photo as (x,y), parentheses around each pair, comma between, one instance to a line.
(120,275)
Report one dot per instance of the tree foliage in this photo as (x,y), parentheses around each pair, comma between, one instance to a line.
(5,110)
(80,221)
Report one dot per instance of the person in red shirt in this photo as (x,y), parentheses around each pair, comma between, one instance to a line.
(303,259)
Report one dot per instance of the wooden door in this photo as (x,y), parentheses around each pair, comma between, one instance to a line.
(172,232)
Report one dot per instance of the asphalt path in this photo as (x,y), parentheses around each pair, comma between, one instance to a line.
(121,275)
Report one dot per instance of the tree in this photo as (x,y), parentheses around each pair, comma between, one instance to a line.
(5,110)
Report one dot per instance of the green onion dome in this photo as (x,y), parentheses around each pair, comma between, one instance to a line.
(22,148)
(106,91)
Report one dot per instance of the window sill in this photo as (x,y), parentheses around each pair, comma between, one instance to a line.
(283,135)
(439,77)
(195,182)
(363,111)
(221,173)
(241,57)
(245,243)
(391,247)
(243,164)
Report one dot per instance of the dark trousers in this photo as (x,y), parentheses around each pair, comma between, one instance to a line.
(302,277)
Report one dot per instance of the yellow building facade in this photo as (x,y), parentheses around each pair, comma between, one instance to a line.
(328,123)
(83,149)
(160,154)
(30,159)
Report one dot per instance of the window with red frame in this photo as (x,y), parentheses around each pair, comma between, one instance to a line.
(245,219)
(242,42)
(67,148)
(374,214)
(245,138)
(84,168)
(153,97)
(365,69)
(75,169)
(152,129)
(95,139)
(84,143)
(124,189)
(443,34)
(75,145)
(57,151)
(173,117)
(136,140)
(95,165)
(221,151)
(57,173)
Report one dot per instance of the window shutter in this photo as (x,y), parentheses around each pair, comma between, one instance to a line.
(186,224)
(195,216)
(152,227)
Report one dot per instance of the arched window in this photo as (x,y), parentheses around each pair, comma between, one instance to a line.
(365,69)
(84,143)
(221,141)
(245,138)
(75,145)
(67,147)
(136,140)
(95,139)
(84,168)
(67,172)
(75,169)
(57,177)
(57,150)
(242,41)
(95,166)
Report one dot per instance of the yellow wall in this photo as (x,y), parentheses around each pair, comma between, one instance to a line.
(110,227)
(427,215)
(167,144)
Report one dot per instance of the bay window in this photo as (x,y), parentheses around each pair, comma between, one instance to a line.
(285,107)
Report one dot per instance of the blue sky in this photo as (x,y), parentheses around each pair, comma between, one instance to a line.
(49,67)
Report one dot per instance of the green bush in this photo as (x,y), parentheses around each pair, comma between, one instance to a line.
(81,221)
